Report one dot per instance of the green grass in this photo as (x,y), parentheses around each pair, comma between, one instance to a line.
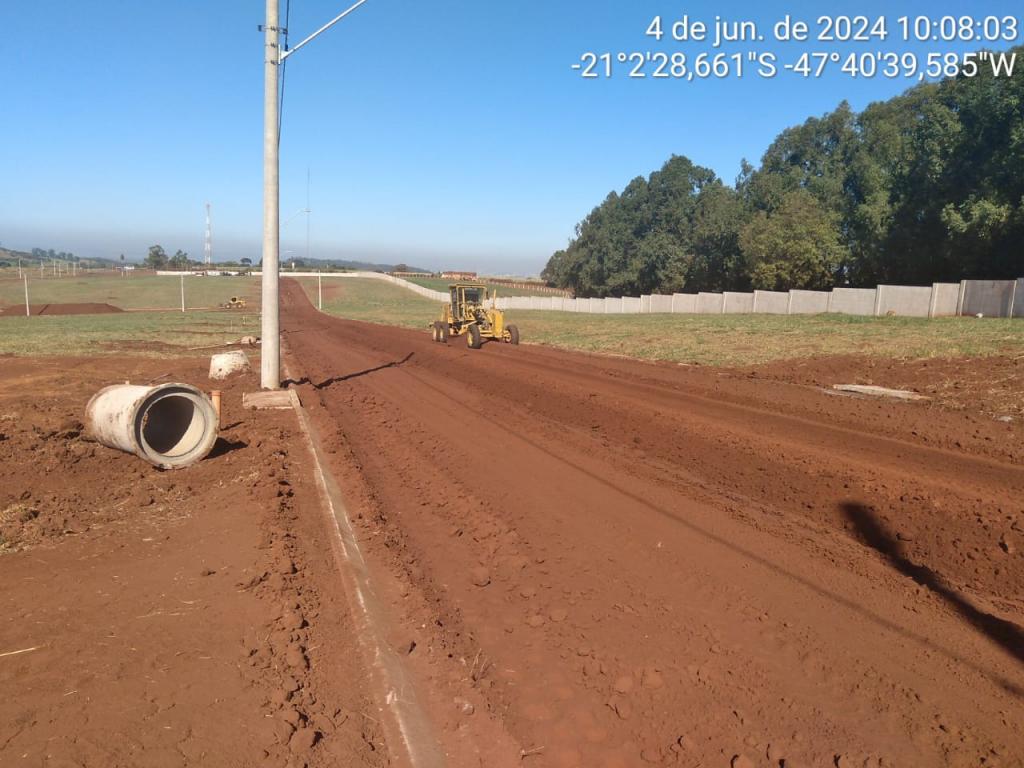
(374,301)
(133,292)
(439,284)
(701,339)
(153,334)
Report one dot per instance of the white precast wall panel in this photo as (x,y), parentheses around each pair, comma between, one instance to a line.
(856,301)
(1018,299)
(904,300)
(660,303)
(944,299)
(771,302)
(737,303)
(990,298)
(613,306)
(631,305)
(684,303)
(808,302)
(710,303)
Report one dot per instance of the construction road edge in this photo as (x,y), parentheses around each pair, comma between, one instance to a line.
(410,735)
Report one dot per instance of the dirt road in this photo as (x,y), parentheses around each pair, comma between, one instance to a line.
(608,563)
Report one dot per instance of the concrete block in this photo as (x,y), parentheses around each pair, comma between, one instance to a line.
(808,302)
(771,302)
(903,301)
(664,303)
(944,299)
(710,303)
(853,301)
(990,298)
(684,303)
(631,305)
(737,303)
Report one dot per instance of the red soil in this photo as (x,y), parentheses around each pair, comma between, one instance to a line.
(86,308)
(620,564)
(187,618)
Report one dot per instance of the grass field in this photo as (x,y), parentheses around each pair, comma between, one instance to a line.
(157,334)
(702,339)
(133,292)
(374,301)
(439,284)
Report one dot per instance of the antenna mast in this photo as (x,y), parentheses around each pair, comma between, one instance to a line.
(208,244)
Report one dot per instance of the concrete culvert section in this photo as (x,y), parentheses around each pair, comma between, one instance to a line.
(171,426)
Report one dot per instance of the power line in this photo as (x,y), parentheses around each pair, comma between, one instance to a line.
(284,70)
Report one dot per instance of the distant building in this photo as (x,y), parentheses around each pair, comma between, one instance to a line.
(459,275)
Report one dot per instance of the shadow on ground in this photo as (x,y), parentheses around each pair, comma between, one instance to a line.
(868,528)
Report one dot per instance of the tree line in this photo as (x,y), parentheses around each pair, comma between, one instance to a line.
(926,187)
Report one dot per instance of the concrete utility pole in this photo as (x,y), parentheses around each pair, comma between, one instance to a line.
(270,363)
(270,359)
(27,312)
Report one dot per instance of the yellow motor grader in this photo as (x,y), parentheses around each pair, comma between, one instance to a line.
(467,314)
(235,302)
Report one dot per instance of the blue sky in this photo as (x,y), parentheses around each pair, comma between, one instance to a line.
(445,134)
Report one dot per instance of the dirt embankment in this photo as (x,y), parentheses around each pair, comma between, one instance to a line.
(628,564)
(181,618)
(87,308)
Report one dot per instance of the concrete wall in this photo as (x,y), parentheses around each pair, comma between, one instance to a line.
(944,299)
(737,303)
(710,303)
(853,301)
(684,303)
(903,301)
(631,305)
(990,298)
(660,303)
(771,302)
(808,302)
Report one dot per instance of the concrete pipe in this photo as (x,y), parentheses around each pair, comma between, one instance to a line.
(171,425)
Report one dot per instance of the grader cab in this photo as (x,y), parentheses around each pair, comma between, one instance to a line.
(467,314)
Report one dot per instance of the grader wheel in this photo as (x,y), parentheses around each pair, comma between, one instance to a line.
(512,334)
(435,331)
(473,337)
(442,331)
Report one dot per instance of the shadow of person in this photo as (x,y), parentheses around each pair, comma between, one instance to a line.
(1007,634)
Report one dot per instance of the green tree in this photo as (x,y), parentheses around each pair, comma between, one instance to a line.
(156,258)
(797,246)
(179,260)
